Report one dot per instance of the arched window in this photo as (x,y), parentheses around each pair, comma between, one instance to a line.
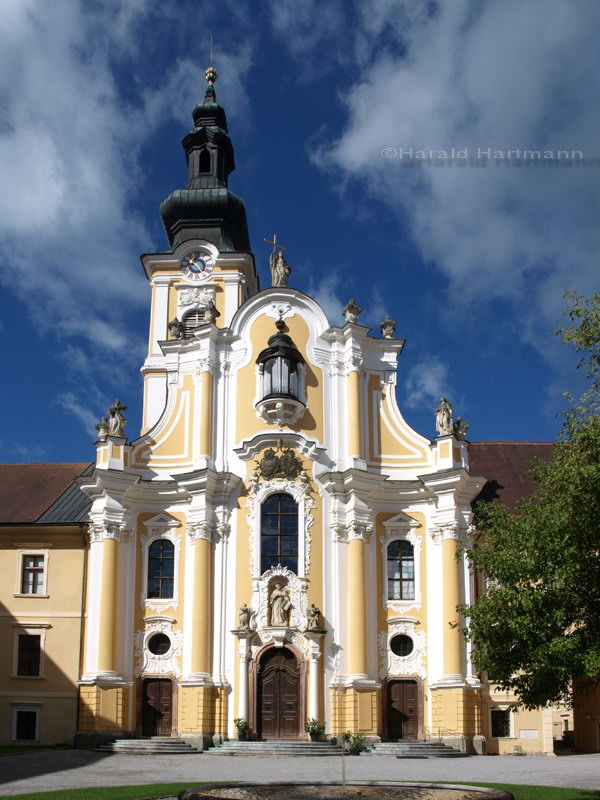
(401,570)
(161,568)
(279,533)
(204,165)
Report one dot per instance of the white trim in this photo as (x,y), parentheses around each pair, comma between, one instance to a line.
(25,706)
(392,665)
(147,662)
(302,496)
(161,526)
(402,528)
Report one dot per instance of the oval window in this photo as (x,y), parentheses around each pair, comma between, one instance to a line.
(159,644)
(402,645)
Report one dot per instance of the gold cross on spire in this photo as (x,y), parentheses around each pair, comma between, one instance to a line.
(274,243)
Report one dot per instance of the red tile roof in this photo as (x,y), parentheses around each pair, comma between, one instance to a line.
(505,465)
(27,490)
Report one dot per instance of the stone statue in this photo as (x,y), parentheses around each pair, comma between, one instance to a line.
(314,615)
(279,269)
(244,615)
(280,605)
(351,311)
(387,327)
(443,417)
(116,422)
(460,429)
(102,428)
(211,313)
(175,328)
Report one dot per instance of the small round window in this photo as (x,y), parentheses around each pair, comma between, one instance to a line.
(159,644)
(402,645)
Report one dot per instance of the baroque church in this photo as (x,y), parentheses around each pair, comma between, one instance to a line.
(277,545)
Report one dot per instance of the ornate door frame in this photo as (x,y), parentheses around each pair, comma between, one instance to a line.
(420,703)
(253,678)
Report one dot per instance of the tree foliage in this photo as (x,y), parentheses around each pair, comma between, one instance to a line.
(537,625)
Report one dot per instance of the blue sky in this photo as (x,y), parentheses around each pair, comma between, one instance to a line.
(471,260)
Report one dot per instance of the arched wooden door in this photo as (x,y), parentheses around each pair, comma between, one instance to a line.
(278,695)
(402,710)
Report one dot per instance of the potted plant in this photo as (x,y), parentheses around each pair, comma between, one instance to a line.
(242,727)
(314,729)
(353,743)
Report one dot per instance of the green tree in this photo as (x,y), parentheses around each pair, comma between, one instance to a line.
(537,625)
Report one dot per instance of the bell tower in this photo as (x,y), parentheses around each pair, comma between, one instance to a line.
(209,270)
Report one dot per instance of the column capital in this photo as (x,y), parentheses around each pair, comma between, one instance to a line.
(99,531)
(200,530)
(444,531)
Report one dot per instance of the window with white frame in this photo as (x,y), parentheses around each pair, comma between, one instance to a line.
(161,569)
(26,722)
(401,570)
(32,573)
(279,532)
(160,554)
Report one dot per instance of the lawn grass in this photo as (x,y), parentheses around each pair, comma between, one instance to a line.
(522,792)
(107,792)
(153,790)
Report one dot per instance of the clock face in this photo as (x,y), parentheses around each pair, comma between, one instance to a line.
(196,265)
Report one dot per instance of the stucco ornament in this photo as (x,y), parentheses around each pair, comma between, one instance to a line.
(116,420)
(351,311)
(150,663)
(390,664)
(195,297)
(300,490)
(443,417)
(387,327)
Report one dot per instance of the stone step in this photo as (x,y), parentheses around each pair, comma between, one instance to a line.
(415,750)
(270,748)
(148,746)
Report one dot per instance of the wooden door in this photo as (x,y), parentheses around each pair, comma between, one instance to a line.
(278,695)
(157,705)
(402,710)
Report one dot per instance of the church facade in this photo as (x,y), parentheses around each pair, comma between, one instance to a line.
(278,544)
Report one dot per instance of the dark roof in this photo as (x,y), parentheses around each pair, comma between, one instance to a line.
(42,493)
(505,465)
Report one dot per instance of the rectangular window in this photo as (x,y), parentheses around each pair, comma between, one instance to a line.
(29,655)
(500,723)
(32,574)
(26,725)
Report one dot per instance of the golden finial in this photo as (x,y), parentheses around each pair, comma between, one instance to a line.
(210,75)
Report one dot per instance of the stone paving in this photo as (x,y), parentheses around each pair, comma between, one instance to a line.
(65,769)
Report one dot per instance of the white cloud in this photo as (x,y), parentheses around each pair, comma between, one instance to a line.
(77,110)
(328,295)
(426,382)
(82,413)
(501,76)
